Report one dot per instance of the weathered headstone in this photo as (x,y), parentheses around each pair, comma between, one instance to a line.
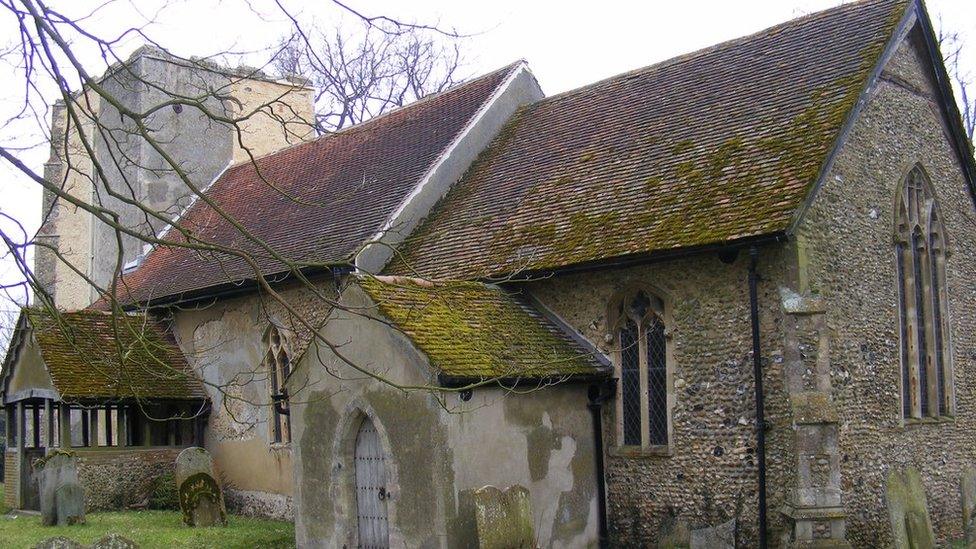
(59,542)
(62,497)
(496,519)
(967,489)
(721,536)
(201,500)
(674,534)
(911,527)
(69,502)
(114,541)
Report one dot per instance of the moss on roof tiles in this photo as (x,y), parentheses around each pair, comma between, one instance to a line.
(477,331)
(718,145)
(95,354)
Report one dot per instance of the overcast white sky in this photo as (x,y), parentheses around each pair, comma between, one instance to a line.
(567,44)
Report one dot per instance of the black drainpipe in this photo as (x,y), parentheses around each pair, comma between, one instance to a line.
(757,372)
(599,393)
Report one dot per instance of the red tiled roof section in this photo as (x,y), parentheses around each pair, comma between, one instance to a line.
(317,202)
(710,147)
(93,354)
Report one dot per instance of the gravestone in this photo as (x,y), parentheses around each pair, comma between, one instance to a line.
(69,502)
(911,527)
(967,489)
(201,500)
(721,536)
(114,541)
(62,498)
(496,519)
(59,542)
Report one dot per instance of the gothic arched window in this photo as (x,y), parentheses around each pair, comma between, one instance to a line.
(920,261)
(278,366)
(641,358)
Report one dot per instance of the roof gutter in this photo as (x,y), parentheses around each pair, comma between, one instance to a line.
(647,258)
(511,382)
(234,289)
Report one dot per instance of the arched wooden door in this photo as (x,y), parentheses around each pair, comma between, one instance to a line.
(371,491)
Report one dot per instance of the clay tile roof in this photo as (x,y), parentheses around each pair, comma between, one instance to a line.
(707,148)
(316,202)
(470,330)
(83,353)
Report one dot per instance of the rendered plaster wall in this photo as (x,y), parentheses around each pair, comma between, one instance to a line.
(66,226)
(223,342)
(135,166)
(435,445)
(848,234)
(115,479)
(708,475)
(29,371)
(281,115)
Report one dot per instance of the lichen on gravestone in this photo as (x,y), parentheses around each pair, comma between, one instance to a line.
(53,473)
(911,527)
(69,500)
(967,490)
(114,541)
(721,536)
(496,519)
(59,542)
(201,500)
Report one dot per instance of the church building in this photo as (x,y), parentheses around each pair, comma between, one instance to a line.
(735,287)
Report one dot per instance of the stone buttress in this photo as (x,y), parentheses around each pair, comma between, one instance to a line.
(814,507)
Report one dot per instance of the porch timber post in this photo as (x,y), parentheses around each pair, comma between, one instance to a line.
(48,413)
(64,425)
(120,438)
(108,425)
(93,424)
(21,459)
(36,425)
(85,427)
(146,428)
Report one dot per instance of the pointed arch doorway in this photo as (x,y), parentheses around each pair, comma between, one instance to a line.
(371,490)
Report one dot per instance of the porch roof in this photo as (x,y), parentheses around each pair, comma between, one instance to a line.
(85,355)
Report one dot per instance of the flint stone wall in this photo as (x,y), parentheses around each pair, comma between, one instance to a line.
(849,234)
(115,479)
(845,253)
(708,476)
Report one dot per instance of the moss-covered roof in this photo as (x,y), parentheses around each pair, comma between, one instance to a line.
(95,354)
(708,148)
(470,330)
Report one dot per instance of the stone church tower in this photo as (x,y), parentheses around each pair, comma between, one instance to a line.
(104,159)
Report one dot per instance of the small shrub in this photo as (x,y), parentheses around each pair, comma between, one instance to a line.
(164,495)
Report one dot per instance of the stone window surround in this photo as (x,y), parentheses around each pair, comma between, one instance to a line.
(277,363)
(645,450)
(911,216)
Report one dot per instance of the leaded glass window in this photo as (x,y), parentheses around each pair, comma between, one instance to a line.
(642,370)
(278,366)
(920,262)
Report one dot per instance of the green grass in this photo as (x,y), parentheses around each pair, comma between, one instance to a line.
(3,506)
(153,529)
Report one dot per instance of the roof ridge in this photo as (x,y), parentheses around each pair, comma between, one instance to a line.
(696,54)
(361,125)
